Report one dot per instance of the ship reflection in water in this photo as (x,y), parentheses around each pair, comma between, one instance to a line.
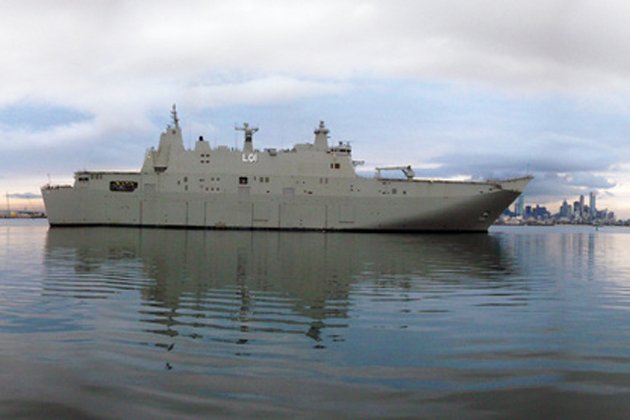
(172,323)
(228,285)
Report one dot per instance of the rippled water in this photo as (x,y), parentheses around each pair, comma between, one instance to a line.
(149,323)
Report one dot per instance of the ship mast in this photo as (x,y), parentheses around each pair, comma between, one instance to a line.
(321,136)
(174,116)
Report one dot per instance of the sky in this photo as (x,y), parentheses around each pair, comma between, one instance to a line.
(458,89)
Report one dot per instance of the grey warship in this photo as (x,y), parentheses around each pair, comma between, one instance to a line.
(312,186)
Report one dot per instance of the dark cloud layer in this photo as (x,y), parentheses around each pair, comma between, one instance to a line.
(25,196)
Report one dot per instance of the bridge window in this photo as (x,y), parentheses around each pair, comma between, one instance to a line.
(123,186)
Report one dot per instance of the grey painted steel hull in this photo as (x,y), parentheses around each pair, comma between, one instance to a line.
(435,206)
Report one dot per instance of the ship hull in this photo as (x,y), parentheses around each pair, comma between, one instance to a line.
(426,206)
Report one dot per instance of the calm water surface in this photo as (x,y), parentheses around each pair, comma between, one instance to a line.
(147,323)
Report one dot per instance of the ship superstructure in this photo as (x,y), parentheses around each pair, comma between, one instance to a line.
(312,186)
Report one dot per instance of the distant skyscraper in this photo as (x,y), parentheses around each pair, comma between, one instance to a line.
(591,204)
(519,207)
(581,205)
(565,209)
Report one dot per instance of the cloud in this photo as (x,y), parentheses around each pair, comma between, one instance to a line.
(553,185)
(545,158)
(589,180)
(483,89)
(38,116)
(68,49)
(258,92)
(21,139)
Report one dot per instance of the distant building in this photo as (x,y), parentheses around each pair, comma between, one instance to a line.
(519,206)
(576,209)
(566,210)
(591,204)
(540,213)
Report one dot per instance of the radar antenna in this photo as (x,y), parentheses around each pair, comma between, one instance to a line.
(322,129)
(249,131)
(248,147)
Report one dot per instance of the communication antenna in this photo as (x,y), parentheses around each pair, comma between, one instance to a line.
(174,116)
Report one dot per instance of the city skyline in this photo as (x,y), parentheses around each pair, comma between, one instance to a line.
(577,211)
(457,90)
